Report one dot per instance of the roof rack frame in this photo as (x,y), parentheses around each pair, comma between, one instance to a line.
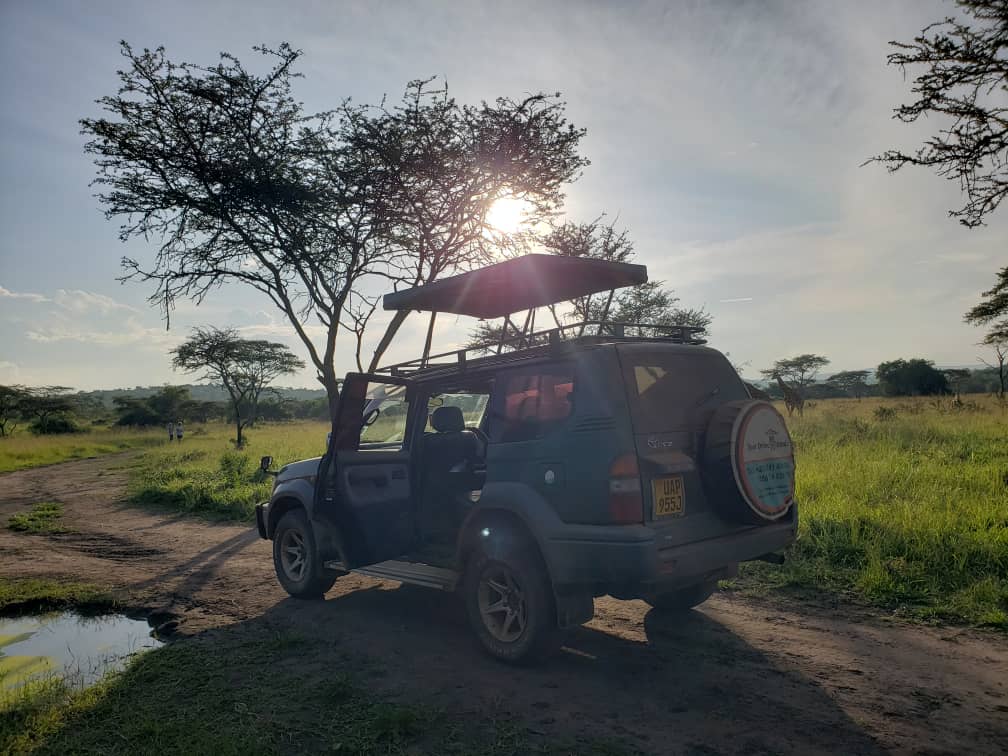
(606,331)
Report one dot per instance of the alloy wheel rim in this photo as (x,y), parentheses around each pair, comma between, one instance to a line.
(503,605)
(293,554)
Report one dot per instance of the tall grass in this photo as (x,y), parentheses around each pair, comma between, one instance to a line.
(903,505)
(204,473)
(23,450)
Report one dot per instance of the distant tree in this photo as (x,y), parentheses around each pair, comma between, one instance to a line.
(245,367)
(911,378)
(1000,361)
(798,371)
(12,407)
(135,411)
(851,382)
(993,310)
(955,377)
(49,406)
(964,81)
(240,184)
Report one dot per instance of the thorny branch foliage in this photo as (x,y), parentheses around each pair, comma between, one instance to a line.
(245,367)
(993,310)
(965,79)
(647,303)
(236,182)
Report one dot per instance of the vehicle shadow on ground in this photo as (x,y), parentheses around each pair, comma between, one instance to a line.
(674,684)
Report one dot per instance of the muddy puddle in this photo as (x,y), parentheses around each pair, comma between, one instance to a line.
(78,648)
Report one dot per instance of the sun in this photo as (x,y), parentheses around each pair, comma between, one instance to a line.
(508,214)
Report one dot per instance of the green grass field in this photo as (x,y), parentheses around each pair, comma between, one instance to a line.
(903,505)
(205,474)
(23,450)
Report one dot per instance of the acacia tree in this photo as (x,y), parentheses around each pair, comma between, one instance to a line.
(852,382)
(964,81)
(12,400)
(645,303)
(1000,362)
(993,311)
(45,403)
(241,184)
(799,371)
(245,367)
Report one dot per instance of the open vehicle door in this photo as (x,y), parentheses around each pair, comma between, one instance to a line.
(364,481)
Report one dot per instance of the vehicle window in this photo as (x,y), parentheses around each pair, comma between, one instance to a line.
(666,391)
(472,405)
(531,404)
(389,428)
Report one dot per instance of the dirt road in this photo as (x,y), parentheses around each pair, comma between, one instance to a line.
(735,676)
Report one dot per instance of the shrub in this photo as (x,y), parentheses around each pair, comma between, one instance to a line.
(885,414)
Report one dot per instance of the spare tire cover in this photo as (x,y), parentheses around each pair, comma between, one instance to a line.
(749,461)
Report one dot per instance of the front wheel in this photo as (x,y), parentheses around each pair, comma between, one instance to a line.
(683,599)
(509,601)
(296,559)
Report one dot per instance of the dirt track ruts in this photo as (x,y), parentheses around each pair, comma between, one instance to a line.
(735,676)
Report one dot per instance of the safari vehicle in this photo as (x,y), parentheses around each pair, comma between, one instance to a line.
(568,463)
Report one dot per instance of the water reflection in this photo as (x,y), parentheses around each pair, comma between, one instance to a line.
(68,644)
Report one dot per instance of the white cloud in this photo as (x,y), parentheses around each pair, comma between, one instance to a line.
(25,295)
(131,332)
(80,301)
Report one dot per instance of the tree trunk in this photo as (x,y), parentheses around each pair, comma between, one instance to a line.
(239,441)
(386,339)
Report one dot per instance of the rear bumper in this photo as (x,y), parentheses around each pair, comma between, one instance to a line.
(262,517)
(624,566)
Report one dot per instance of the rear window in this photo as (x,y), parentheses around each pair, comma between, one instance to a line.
(675,391)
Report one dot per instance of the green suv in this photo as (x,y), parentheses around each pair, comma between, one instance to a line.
(560,467)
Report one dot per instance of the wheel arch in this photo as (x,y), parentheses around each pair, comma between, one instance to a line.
(278,508)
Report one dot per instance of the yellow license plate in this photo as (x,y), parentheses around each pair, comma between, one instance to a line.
(669,496)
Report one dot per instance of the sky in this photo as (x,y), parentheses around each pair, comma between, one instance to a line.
(728,137)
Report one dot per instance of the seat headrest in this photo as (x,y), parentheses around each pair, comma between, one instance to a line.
(447,420)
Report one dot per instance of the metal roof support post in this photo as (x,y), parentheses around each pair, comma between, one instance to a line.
(504,330)
(525,329)
(427,343)
(605,312)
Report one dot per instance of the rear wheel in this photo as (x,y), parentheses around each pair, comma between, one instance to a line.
(509,601)
(681,599)
(296,559)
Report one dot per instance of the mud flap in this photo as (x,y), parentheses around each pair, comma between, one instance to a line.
(574,609)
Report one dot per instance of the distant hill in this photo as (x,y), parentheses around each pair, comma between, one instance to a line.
(199,392)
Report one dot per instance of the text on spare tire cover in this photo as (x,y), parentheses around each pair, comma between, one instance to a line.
(763,460)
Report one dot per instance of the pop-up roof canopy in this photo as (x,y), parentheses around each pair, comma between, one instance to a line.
(516,285)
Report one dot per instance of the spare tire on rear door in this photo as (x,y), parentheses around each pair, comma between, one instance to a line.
(748,464)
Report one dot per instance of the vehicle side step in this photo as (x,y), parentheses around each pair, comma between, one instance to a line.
(413,573)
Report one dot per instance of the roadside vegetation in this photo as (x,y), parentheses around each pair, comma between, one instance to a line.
(24,450)
(903,505)
(29,595)
(232,695)
(205,474)
(44,517)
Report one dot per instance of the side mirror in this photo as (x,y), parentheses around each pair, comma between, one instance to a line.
(265,463)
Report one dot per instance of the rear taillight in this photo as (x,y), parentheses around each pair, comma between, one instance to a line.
(626,505)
